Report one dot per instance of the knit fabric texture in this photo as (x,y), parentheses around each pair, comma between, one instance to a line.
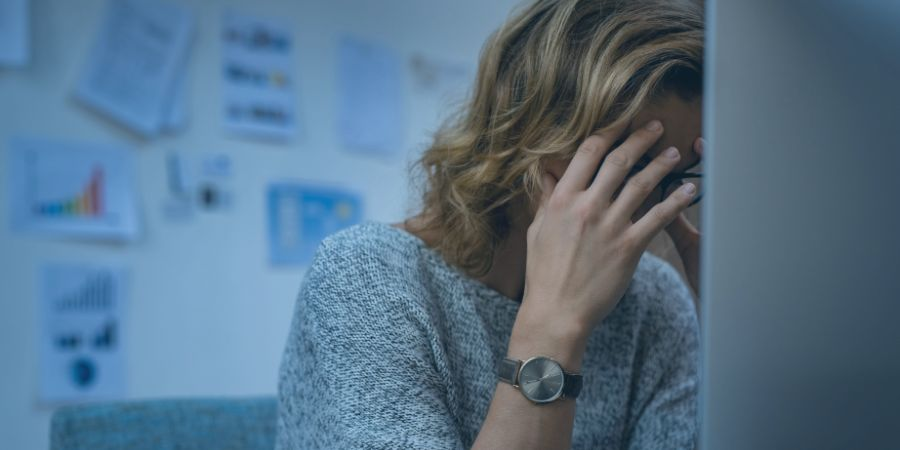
(391,347)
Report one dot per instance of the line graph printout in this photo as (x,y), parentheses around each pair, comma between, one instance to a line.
(72,189)
(81,351)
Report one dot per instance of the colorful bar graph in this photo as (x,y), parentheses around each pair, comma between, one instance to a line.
(89,203)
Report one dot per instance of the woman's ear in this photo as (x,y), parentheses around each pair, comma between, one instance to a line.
(556,167)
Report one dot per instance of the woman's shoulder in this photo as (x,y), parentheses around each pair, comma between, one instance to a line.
(366,244)
(366,261)
(369,235)
(371,281)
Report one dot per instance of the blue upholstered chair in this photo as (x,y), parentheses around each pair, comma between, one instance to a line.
(214,423)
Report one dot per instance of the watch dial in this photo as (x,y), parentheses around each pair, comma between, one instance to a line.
(541,379)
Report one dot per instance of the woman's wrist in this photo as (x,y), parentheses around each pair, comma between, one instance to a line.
(561,340)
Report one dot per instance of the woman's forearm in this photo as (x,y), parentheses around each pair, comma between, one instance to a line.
(513,421)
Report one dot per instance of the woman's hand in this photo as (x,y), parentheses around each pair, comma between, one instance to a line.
(583,248)
(687,239)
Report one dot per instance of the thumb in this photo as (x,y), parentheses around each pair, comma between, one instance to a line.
(681,230)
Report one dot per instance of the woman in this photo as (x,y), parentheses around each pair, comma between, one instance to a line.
(443,332)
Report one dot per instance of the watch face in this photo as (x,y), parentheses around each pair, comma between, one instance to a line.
(541,379)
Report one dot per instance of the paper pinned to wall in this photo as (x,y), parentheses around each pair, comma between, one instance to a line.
(72,189)
(175,117)
(135,63)
(14,32)
(81,329)
(439,86)
(371,115)
(301,215)
(203,181)
(258,81)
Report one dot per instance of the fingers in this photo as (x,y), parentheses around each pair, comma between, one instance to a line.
(663,214)
(588,156)
(639,186)
(620,161)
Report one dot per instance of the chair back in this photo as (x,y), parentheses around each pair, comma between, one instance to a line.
(201,423)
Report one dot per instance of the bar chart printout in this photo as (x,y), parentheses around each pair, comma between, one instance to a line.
(88,203)
(80,334)
(72,189)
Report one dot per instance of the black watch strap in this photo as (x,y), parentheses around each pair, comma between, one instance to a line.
(572,384)
(508,370)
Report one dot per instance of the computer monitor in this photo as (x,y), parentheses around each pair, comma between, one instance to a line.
(801,250)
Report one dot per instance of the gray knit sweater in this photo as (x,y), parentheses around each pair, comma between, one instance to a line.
(391,347)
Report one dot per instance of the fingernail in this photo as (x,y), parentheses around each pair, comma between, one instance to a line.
(654,125)
(689,189)
(699,145)
(672,152)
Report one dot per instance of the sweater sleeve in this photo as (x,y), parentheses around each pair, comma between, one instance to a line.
(665,410)
(357,371)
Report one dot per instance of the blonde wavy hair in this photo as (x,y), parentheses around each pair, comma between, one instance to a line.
(553,74)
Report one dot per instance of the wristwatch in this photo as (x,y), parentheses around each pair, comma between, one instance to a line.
(540,379)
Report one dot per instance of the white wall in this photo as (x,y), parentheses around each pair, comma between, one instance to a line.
(208,316)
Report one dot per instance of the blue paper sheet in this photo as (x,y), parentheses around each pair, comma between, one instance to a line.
(301,215)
